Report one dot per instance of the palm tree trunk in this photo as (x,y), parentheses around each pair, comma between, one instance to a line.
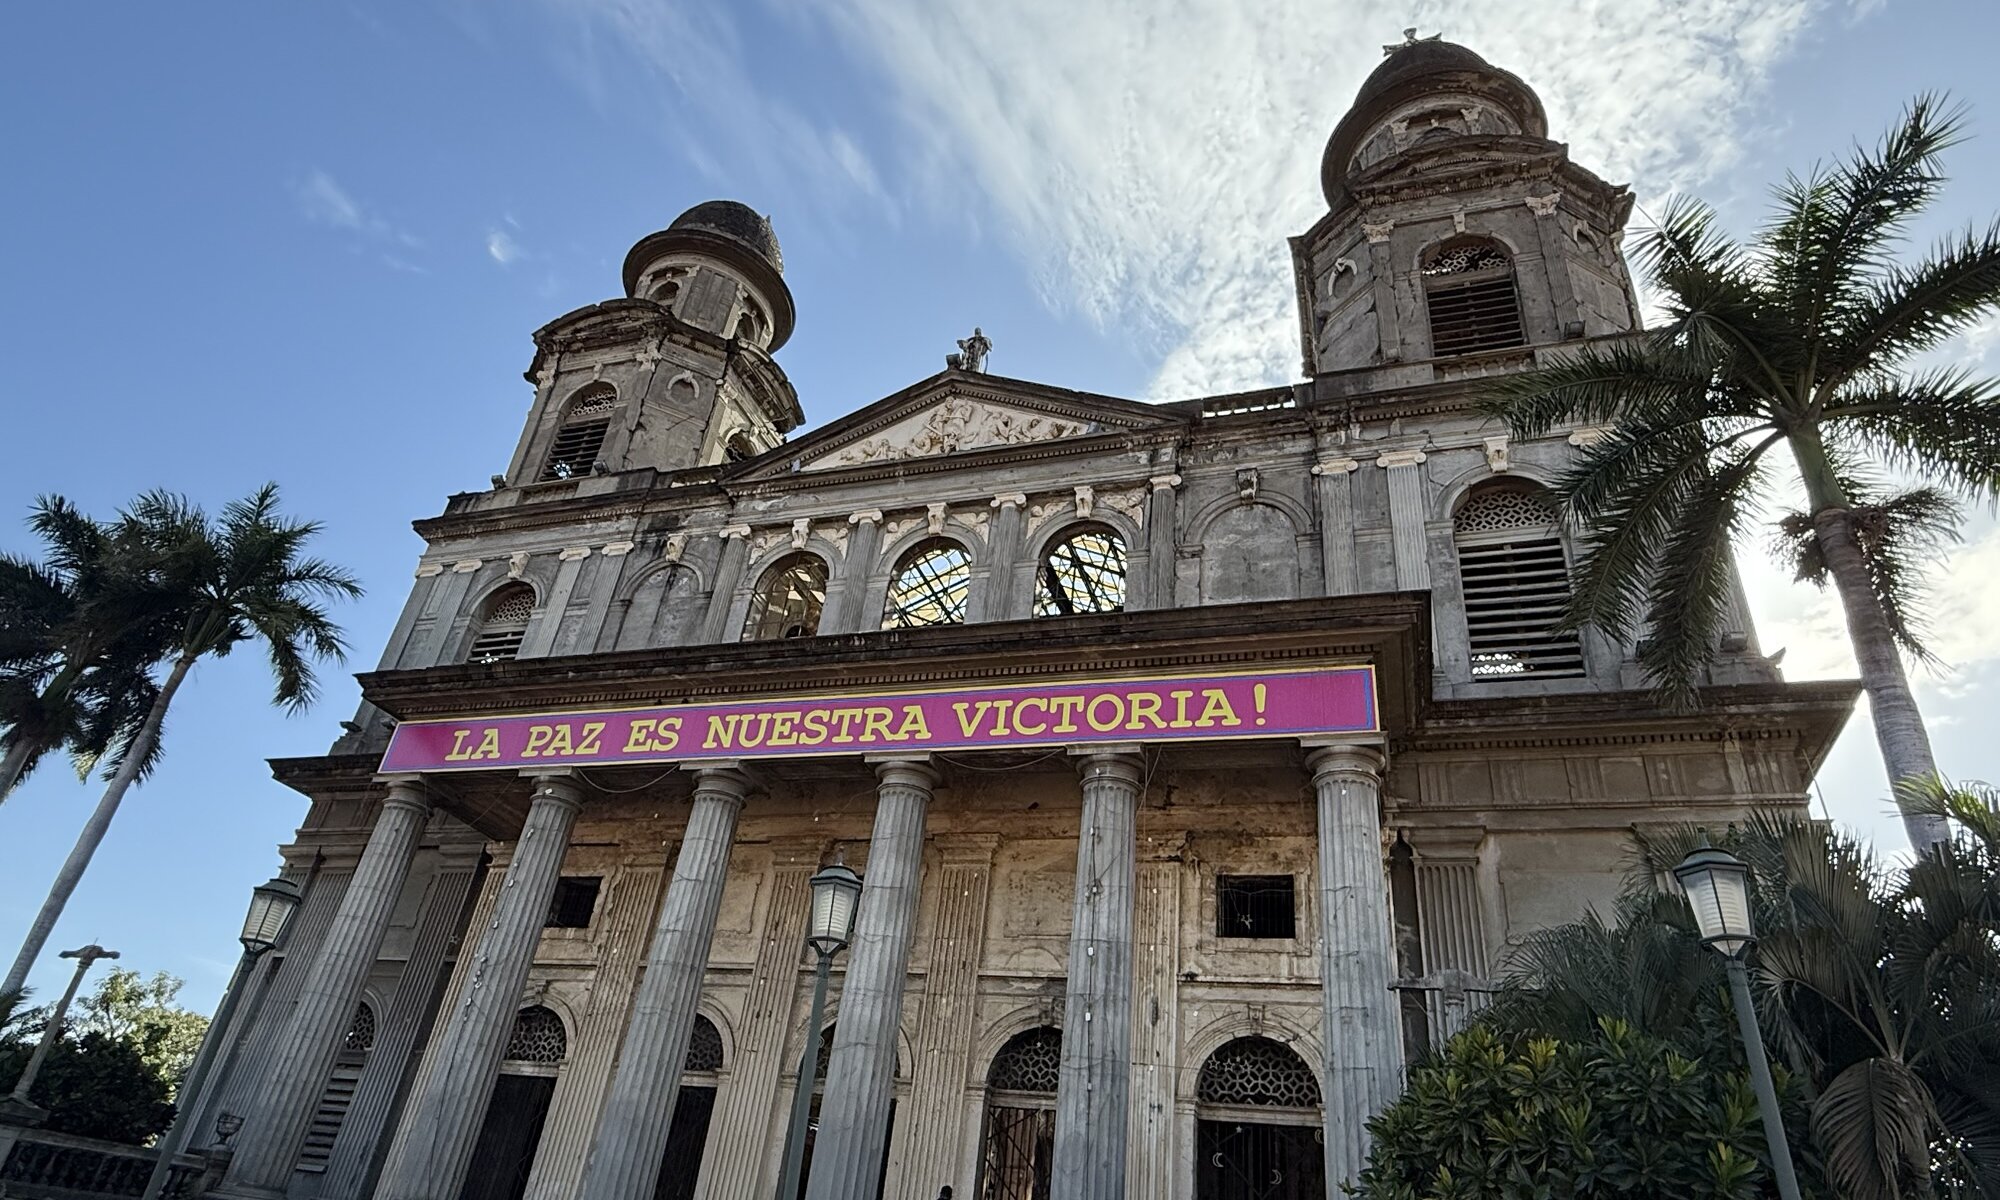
(1899,726)
(13,766)
(93,831)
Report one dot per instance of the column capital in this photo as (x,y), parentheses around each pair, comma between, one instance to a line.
(728,532)
(724,779)
(1390,459)
(1164,483)
(1336,466)
(872,516)
(1009,500)
(561,786)
(1118,762)
(1347,761)
(910,770)
(407,791)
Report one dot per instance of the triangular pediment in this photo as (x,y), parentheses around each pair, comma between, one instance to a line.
(962,413)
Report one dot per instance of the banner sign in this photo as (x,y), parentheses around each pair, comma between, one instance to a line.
(1171,709)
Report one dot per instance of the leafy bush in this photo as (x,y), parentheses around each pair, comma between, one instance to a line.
(1619,1115)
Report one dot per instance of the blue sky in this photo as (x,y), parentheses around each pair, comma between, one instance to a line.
(309,242)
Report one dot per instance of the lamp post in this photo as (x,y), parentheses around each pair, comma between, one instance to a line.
(836,893)
(271,906)
(18,1102)
(1717,884)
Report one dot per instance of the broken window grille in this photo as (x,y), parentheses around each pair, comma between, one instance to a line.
(580,440)
(931,586)
(505,624)
(1514,577)
(1082,573)
(1470,296)
(788,600)
(574,902)
(1255,906)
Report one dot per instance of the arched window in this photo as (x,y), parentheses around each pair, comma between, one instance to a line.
(930,587)
(1515,581)
(1019,1145)
(1084,572)
(503,625)
(680,1165)
(1469,294)
(738,448)
(1257,1123)
(788,599)
(538,1037)
(750,323)
(338,1097)
(580,439)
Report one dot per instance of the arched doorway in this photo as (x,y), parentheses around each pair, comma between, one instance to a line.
(1018,1144)
(505,1152)
(680,1169)
(1258,1126)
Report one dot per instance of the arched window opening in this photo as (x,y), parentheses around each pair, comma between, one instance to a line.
(504,625)
(739,448)
(1470,296)
(537,1038)
(788,600)
(666,292)
(750,323)
(1515,581)
(1257,1126)
(931,586)
(341,1085)
(680,1167)
(580,439)
(1082,573)
(1019,1144)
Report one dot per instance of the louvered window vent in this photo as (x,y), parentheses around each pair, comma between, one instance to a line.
(1469,293)
(1515,580)
(506,624)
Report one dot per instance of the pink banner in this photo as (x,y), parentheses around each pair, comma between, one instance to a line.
(1173,709)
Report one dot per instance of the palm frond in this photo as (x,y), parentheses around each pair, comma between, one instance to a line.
(1898,536)
(1913,309)
(1873,1124)
(1688,594)
(1942,424)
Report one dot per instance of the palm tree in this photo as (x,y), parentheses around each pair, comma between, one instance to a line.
(237,579)
(1801,339)
(1879,989)
(80,632)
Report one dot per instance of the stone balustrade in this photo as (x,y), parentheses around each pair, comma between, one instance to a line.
(41,1165)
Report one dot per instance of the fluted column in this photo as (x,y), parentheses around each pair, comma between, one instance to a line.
(949,1022)
(861,1072)
(728,577)
(434,1141)
(1162,554)
(1156,1011)
(847,596)
(295,1076)
(742,1123)
(1095,1083)
(632,1134)
(1333,484)
(1407,517)
(1362,1034)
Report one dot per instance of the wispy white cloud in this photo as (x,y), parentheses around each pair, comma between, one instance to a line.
(323,201)
(501,247)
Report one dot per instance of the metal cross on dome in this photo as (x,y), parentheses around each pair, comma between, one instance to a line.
(1410,38)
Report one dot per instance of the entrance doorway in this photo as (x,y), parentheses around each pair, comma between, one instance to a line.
(1258,1125)
(505,1153)
(1018,1147)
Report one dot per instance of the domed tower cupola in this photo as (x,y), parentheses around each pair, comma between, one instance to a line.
(717,266)
(1456,231)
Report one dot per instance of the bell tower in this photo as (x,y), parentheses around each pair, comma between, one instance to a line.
(678,373)
(1456,231)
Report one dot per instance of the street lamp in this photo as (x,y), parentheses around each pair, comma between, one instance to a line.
(1717,885)
(272,904)
(836,893)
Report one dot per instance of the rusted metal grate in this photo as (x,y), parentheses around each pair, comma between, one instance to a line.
(788,600)
(931,586)
(1082,573)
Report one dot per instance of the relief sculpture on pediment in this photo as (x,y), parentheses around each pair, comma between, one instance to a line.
(952,427)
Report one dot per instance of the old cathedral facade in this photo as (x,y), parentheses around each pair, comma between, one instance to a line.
(1202,760)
